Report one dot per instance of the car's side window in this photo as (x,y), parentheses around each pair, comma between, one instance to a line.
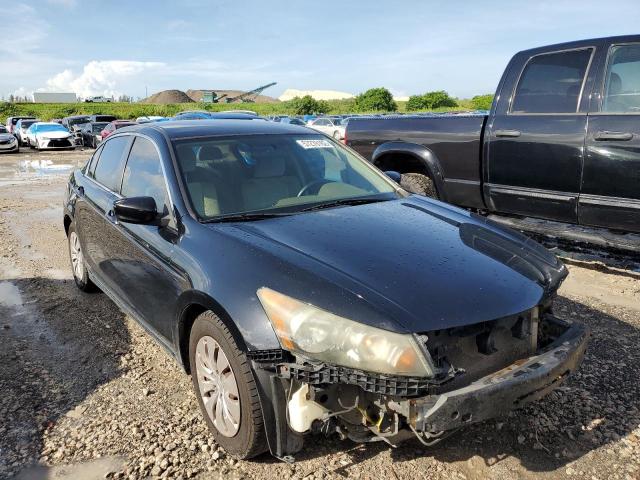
(552,83)
(622,85)
(143,175)
(91,164)
(110,165)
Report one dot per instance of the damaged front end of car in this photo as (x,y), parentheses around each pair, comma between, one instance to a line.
(334,376)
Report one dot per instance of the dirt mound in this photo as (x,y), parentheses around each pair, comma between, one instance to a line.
(196,95)
(168,96)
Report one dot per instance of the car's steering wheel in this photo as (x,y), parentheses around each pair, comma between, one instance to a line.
(304,190)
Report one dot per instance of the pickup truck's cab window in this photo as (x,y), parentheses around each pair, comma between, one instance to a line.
(622,87)
(108,171)
(551,83)
(143,175)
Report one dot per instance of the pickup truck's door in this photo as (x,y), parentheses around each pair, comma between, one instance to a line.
(536,137)
(610,195)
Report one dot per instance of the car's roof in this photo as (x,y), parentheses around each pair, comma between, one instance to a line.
(580,43)
(218,127)
(76,116)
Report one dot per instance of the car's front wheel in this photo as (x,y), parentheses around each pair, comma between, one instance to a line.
(78,266)
(225,387)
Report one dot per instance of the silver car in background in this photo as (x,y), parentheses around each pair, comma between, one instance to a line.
(8,143)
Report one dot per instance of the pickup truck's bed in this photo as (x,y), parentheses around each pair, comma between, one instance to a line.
(455,139)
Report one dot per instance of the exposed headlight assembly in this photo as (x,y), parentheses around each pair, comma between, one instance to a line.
(313,333)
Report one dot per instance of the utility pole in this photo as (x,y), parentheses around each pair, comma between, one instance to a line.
(146,93)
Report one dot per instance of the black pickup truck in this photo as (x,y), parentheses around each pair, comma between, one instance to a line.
(561,143)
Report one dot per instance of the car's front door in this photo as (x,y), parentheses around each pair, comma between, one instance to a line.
(147,278)
(536,138)
(610,195)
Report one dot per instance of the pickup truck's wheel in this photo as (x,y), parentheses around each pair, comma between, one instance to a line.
(78,267)
(418,184)
(226,391)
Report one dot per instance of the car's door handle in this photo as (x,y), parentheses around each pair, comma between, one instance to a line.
(616,136)
(508,133)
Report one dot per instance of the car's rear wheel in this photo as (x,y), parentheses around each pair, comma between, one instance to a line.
(78,266)
(418,184)
(225,387)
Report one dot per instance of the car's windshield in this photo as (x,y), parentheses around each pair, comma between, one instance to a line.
(273,173)
(48,127)
(76,121)
(26,123)
(3,129)
(98,127)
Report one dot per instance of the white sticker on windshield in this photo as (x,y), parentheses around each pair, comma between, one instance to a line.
(307,144)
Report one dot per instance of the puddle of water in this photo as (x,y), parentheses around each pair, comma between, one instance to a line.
(10,295)
(43,166)
(91,470)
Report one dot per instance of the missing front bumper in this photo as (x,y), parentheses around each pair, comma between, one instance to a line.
(500,392)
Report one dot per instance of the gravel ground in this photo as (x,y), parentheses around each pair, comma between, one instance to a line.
(86,394)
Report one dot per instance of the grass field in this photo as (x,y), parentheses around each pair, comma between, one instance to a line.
(47,111)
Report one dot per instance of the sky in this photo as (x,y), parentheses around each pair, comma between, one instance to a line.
(409,46)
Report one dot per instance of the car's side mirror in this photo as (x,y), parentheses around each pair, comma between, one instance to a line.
(140,210)
(393,175)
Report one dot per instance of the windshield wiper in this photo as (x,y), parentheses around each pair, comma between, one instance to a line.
(245,217)
(345,201)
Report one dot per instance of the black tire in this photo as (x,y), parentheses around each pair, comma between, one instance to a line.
(418,184)
(250,439)
(83,282)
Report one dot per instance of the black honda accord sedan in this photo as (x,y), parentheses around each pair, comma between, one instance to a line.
(306,292)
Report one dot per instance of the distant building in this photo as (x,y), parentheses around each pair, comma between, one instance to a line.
(54,97)
(317,94)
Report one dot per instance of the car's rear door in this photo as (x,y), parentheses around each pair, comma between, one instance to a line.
(610,194)
(94,215)
(536,136)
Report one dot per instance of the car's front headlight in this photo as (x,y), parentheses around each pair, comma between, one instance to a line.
(316,334)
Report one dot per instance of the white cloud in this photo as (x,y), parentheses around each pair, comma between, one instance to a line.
(99,77)
(64,3)
(178,24)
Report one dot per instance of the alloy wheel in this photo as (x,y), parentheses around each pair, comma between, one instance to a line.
(77,259)
(218,386)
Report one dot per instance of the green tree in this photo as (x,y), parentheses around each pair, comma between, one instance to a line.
(375,100)
(430,101)
(307,105)
(482,102)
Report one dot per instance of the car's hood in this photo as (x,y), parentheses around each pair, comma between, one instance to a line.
(54,134)
(433,265)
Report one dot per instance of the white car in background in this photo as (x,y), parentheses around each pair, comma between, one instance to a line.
(49,135)
(330,126)
(149,118)
(8,143)
(20,130)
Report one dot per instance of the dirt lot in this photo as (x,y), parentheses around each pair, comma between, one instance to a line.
(86,394)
